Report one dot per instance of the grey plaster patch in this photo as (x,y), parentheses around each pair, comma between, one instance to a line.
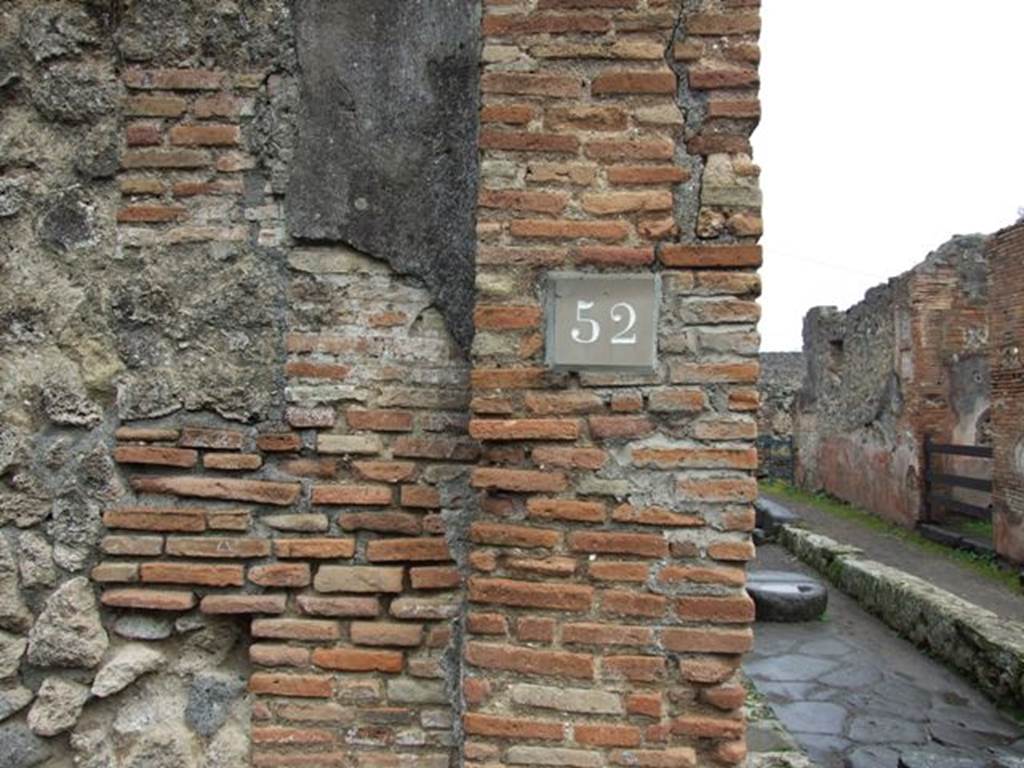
(386,145)
(209,702)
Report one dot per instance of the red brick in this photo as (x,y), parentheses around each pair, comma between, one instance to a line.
(385,471)
(532,84)
(605,203)
(696,458)
(644,669)
(620,571)
(229,489)
(532,629)
(243,604)
(607,735)
(115,572)
(379,420)
(521,480)
(645,704)
(386,633)
(637,81)
(267,655)
(536,24)
(725,697)
(508,378)
(688,640)
(521,200)
(711,256)
(606,634)
(171,519)
(623,603)
(569,458)
(718,610)
(657,516)
(396,550)
(139,546)
(281,575)
(352,495)
(548,403)
(193,573)
(530,594)
(296,629)
(306,369)
(569,229)
(708,669)
(221,547)
(143,135)
(511,114)
(315,549)
(709,78)
(205,135)
(502,535)
(529,661)
(301,686)
(586,118)
(487,624)
(723,24)
(500,727)
(144,454)
(528,141)
(363,607)
(354,660)
(699,726)
(232,461)
(566,509)
(703,574)
(524,429)
(148,599)
(432,577)
(618,427)
(647,174)
(615,543)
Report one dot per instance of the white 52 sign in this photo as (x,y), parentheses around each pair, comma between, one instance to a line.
(600,321)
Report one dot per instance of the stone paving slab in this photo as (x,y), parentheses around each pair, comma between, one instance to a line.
(988,650)
(853,693)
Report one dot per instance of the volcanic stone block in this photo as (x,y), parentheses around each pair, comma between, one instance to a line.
(386,145)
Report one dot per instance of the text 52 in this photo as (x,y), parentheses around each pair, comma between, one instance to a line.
(588,328)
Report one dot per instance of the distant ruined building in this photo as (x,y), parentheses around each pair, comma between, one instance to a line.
(928,354)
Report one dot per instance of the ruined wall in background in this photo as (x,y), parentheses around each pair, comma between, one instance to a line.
(782,375)
(1006,335)
(909,360)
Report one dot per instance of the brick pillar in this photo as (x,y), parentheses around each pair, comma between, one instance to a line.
(607,615)
(1006,334)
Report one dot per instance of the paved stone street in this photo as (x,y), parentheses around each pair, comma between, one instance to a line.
(854,694)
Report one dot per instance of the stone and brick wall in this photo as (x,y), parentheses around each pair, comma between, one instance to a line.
(331,506)
(1006,334)
(779,385)
(909,360)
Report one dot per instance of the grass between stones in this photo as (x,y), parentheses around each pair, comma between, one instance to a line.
(988,567)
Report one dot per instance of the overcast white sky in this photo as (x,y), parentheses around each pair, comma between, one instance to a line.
(889,126)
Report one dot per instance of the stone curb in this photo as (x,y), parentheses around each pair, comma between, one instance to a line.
(988,650)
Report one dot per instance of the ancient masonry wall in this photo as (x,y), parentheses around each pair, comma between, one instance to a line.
(1007,338)
(262,502)
(779,384)
(909,360)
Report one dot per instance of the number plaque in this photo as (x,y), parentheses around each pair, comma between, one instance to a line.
(602,321)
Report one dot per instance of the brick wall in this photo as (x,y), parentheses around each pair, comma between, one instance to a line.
(478,562)
(908,360)
(1007,337)
(607,612)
